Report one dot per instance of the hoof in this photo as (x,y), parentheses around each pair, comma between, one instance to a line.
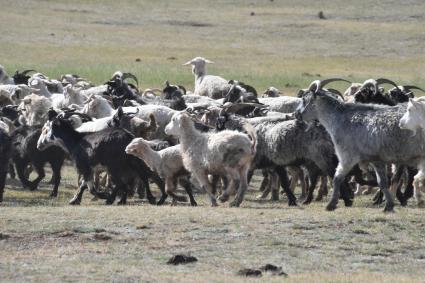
(234,204)
(331,207)
(109,202)
(223,198)
(348,203)
(389,208)
(74,202)
(53,195)
(292,203)
(214,204)
(307,201)
(152,201)
(193,203)
(319,198)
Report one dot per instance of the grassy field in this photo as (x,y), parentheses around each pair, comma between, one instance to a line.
(283,44)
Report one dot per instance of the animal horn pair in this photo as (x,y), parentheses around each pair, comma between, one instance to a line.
(318,84)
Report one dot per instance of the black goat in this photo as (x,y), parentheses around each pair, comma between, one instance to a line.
(25,152)
(5,152)
(107,148)
(22,78)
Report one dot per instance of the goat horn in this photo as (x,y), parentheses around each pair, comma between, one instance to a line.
(336,92)
(131,76)
(27,71)
(387,81)
(410,87)
(328,81)
(318,84)
(133,113)
(314,86)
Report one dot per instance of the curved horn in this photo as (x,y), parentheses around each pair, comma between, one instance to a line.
(131,76)
(314,86)
(328,81)
(334,91)
(409,87)
(27,71)
(318,84)
(387,81)
(132,113)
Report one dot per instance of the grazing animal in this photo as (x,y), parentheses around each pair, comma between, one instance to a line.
(364,133)
(207,85)
(5,153)
(227,153)
(168,163)
(90,149)
(25,152)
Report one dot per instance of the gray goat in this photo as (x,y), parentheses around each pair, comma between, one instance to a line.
(363,133)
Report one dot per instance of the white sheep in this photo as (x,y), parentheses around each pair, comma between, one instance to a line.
(34,109)
(167,163)
(283,104)
(4,77)
(207,85)
(226,153)
(271,92)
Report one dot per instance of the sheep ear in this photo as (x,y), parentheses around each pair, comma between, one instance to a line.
(208,61)
(187,63)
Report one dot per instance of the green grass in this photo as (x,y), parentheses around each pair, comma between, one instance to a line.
(283,45)
(277,46)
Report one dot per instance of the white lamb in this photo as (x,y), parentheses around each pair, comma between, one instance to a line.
(167,163)
(226,153)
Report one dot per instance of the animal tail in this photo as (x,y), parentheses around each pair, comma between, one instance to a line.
(250,131)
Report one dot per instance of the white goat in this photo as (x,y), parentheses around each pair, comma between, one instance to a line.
(226,153)
(167,163)
(207,85)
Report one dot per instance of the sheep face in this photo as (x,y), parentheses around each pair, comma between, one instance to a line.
(179,122)
(414,117)
(137,147)
(271,92)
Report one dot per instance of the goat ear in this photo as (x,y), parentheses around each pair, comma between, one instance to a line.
(167,83)
(231,82)
(152,124)
(51,114)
